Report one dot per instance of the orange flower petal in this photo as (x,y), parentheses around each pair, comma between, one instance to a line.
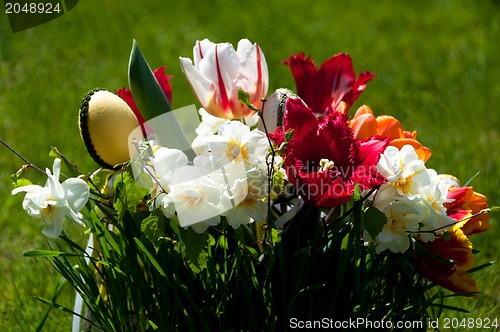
(364,126)
(423,152)
(453,276)
(408,134)
(466,199)
(363,110)
(389,126)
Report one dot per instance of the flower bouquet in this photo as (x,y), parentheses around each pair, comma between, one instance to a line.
(287,209)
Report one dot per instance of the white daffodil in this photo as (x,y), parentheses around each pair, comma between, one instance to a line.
(249,194)
(434,196)
(55,201)
(195,197)
(234,138)
(406,175)
(164,162)
(403,216)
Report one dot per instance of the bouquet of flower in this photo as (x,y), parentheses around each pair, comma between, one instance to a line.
(286,210)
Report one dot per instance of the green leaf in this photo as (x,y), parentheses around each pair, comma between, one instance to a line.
(152,260)
(153,325)
(151,229)
(19,181)
(152,103)
(128,193)
(147,93)
(289,135)
(47,253)
(471,179)
(448,307)
(374,220)
(244,98)
(480,267)
(357,192)
(64,309)
(57,291)
(195,246)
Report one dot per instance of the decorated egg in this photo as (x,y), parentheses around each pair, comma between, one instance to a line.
(105,122)
(274,109)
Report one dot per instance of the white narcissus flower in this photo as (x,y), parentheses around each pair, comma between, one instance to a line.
(403,216)
(55,201)
(406,175)
(195,197)
(435,196)
(251,206)
(164,162)
(217,72)
(234,138)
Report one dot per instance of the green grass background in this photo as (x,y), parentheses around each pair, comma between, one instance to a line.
(437,65)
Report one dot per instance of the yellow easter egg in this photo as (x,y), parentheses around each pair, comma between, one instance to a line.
(105,122)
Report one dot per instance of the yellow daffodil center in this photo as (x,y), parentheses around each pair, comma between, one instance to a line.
(234,148)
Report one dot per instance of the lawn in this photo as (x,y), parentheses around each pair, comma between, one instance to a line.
(437,69)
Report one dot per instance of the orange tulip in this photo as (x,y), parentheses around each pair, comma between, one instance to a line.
(364,125)
(450,259)
(467,202)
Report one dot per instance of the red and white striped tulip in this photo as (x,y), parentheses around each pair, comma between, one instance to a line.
(218,71)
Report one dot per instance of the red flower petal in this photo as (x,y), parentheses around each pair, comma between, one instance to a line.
(126,95)
(299,117)
(304,72)
(370,150)
(164,82)
(358,87)
(330,139)
(335,81)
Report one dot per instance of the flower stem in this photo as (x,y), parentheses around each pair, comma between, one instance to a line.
(28,163)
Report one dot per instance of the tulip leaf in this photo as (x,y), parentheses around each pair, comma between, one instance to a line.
(147,93)
(374,221)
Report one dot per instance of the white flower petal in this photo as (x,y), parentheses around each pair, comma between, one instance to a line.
(253,63)
(202,87)
(200,49)
(209,124)
(76,193)
(54,225)
(32,188)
